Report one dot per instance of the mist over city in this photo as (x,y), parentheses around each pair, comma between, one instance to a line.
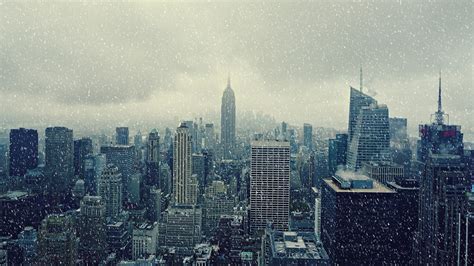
(236,133)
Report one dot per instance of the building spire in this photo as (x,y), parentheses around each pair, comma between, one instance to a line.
(439,114)
(361,78)
(228,80)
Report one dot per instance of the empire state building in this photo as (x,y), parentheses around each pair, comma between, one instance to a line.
(228,122)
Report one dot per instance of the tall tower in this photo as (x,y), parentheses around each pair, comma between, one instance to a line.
(371,138)
(357,101)
(228,121)
(23,151)
(82,147)
(308,136)
(444,184)
(110,189)
(59,158)
(184,184)
(121,135)
(269,185)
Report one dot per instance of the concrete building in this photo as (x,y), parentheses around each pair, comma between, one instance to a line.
(269,185)
(23,152)
(110,189)
(184,183)
(57,241)
(145,240)
(121,136)
(292,248)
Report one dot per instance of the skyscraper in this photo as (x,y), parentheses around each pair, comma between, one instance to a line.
(357,100)
(110,189)
(269,185)
(337,153)
(59,151)
(439,137)
(23,151)
(308,136)
(356,212)
(121,136)
(57,241)
(82,147)
(228,122)
(92,230)
(122,156)
(184,184)
(371,137)
(443,203)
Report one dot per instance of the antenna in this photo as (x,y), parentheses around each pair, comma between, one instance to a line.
(228,80)
(361,78)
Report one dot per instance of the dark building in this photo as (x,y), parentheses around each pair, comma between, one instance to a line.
(228,122)
(356,217)
(23,151)
(57,241)
(443,202)
(337,152)
(121,136)
(59,150)
(82,147)
(92,230)
(308,136)
(406,223)
(119,239)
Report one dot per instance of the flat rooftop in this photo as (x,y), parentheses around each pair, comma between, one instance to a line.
(377,188)
(270,143)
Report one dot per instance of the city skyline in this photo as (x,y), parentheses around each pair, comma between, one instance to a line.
(149,63)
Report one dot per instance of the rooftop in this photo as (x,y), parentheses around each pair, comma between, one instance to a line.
(297,245)
(354,182)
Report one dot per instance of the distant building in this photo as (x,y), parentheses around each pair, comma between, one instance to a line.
(57,241)
(356,214)
(292,248)
(269,185)
(204,255)
(308,136)
(230,235)
(82,147)
(59,151)
(122,157)
(398,130)
(121,136)
(337,154)
(110,189)
(23,151)
(228,122)
(93,167)
(383,172)
(371,137)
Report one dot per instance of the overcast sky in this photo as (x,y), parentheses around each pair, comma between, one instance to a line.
(69,64)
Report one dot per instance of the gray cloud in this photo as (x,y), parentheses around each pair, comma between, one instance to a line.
(292,60)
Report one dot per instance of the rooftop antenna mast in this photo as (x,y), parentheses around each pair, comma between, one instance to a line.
(361,78)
